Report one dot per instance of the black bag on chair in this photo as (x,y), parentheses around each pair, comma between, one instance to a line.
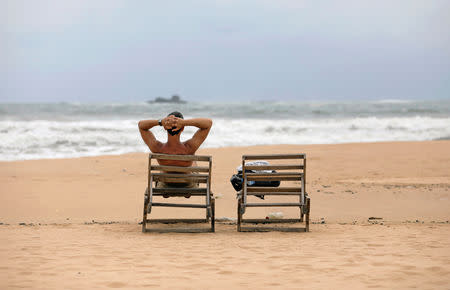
(237,180)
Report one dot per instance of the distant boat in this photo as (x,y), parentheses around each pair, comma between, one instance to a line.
(174,99)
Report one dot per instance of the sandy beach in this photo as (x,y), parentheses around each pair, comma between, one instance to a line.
(73,224)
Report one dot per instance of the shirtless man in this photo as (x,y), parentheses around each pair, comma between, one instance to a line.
(174,123)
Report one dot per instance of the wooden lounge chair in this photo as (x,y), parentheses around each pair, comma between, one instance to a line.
(170,176)
(295,172)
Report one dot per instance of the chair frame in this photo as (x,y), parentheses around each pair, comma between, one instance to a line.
(182,174)
(304,203)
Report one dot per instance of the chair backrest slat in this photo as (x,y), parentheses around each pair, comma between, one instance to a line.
(168,168)
(180,175)
(274,156)
(180,157)
(273,167)
(180,190)
(298,174)
(273,189)
(180,179)
(275,178)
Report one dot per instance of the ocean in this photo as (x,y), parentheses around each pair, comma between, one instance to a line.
(62,130)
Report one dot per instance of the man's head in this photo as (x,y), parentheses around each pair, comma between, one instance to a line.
(178,115)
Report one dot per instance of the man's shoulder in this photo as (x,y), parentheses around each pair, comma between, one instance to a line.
(190,150)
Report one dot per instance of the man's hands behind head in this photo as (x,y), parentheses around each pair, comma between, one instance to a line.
(172,122)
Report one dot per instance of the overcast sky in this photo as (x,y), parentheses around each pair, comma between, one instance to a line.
(106,50)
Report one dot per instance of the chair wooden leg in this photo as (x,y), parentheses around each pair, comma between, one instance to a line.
(308,207)
(144,218)
(239,215)
(301,214)
(208,213)
(213,215)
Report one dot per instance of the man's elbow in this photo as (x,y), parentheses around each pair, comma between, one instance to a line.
(210,122)
(140,125)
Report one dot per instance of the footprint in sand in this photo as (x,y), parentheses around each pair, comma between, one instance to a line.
(225,272)
(116,285)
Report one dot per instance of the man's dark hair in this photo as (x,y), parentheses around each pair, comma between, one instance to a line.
(178,115)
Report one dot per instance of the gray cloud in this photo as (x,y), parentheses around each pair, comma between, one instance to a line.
(206,50)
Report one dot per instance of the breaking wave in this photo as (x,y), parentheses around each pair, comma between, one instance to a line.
(74,130)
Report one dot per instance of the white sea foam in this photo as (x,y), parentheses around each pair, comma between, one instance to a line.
(59,139)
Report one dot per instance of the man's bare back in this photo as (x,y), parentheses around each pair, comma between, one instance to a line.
(174,124)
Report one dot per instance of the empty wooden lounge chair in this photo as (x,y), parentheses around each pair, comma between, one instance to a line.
(293,170)
(171,181)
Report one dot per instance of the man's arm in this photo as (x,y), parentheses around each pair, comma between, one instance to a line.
(147,135)
(203,125)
